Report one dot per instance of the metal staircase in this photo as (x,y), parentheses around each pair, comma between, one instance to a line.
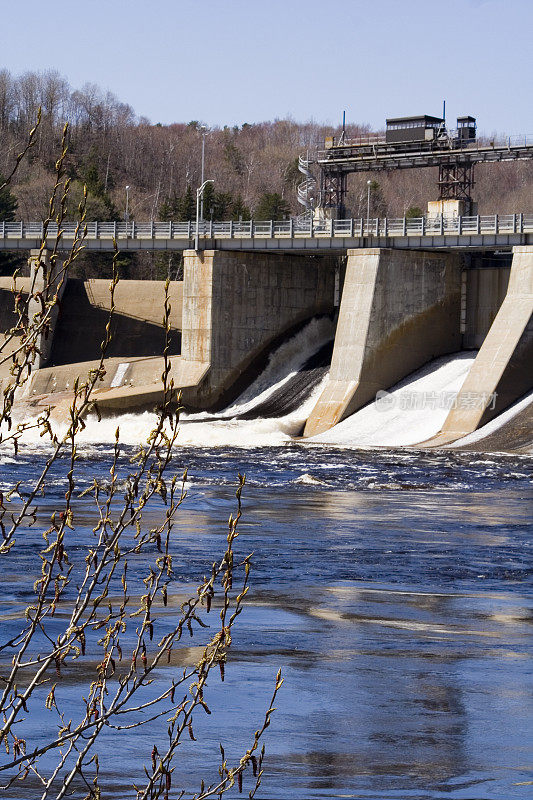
(307,190)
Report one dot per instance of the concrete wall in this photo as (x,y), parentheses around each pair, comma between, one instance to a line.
(8,292)
(503,369)
(485,291)
(236,305)
(399,309)
(137,324)
(78,324)
(47,286)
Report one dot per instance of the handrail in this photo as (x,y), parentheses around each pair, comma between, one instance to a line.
(439,225)
(481,142)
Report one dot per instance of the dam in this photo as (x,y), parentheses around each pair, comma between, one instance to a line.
(392,311)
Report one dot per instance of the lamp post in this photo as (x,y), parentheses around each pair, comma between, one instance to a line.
(369,184)
(199,197)
(203,128)
(126,213)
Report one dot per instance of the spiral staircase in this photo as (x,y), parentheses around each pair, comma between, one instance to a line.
(307,190)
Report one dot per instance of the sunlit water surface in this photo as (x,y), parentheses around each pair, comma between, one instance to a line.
(392,588)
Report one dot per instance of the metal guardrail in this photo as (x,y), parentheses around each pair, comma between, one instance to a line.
(481,142)
(344,228)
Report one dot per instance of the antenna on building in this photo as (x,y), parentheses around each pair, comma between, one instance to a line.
(444,111)
(343,127)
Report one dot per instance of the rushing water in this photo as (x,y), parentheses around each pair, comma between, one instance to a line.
(394,590)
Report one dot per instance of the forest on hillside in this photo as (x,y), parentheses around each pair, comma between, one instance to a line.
(254,166)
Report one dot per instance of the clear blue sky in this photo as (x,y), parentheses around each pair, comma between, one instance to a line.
(233,61)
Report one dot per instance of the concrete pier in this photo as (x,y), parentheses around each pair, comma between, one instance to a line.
(503,369)
(47,284)
(399,309)
(238,305)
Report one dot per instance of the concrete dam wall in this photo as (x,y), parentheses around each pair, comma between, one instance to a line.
(237,306)
(398,311)
(136,327)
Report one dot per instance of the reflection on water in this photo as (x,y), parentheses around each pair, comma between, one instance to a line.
(394,590)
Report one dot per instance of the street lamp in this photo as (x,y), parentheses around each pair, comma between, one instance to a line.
(203,128)
(199,197)
(126,214)
(369,184)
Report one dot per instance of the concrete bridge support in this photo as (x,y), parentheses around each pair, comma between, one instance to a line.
(399,309)
(503,369)
(46,281)
(237,305)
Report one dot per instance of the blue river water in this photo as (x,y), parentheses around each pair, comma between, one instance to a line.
(393,588)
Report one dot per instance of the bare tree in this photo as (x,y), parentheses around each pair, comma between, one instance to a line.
(89,604)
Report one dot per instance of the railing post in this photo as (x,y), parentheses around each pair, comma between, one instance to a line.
(404,227)
(271,232)
(331,228)
(291,228)
(423,226)
(385,227)
(521,223)
(495,223)
(459,225)
(152,229)
(231,229)
(251,229)
(22,230)
(441,226)
(188,229)
(361,227)
(311,233)
(351,228)
(478,224)
(133,229)
(3,224)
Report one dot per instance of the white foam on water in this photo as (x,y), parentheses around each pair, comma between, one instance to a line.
(247,433)
(201,430)
(412,411)
(496,423)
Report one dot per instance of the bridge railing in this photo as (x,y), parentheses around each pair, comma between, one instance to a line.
(384,227)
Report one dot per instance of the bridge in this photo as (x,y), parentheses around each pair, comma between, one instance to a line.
(333,236)
(346,156)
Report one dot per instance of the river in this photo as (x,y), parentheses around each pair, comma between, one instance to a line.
(394,590)
(393,587)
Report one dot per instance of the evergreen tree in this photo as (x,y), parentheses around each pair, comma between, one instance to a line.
(272,206)
(209,202)
(186,207)
(8,207)
(240,210)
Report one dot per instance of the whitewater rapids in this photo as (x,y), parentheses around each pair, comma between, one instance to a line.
(272,411)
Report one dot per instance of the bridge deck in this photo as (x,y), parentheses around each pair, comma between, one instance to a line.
(478,232)
(351,159)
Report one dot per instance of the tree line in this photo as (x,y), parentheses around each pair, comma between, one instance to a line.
(254,166)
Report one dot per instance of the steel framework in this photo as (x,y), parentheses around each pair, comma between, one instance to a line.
(455,164)
(456,181)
